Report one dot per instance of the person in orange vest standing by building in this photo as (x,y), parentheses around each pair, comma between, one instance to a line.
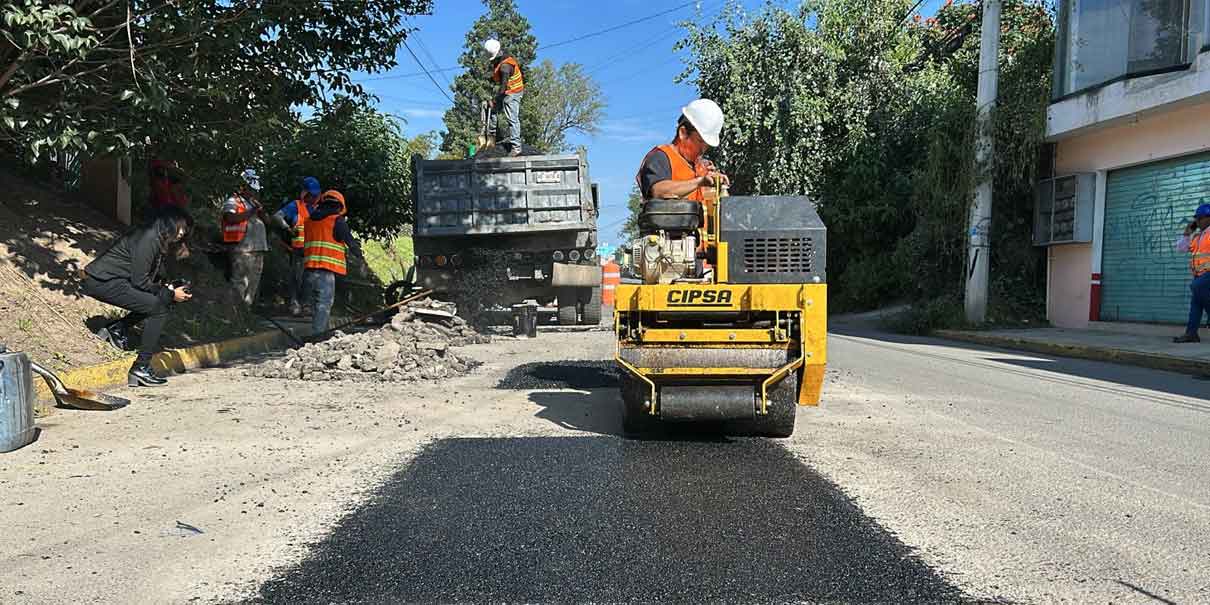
(677,170)
(506,72)
(292,219)
(1196,241)
(245,238)
(328,242)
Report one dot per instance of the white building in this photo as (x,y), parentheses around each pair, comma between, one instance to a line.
(1130,123)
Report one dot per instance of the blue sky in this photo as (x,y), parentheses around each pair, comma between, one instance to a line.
(635,66)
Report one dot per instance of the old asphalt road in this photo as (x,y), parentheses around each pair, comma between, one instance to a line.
(933,473)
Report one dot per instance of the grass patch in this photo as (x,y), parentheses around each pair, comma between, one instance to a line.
(389,260)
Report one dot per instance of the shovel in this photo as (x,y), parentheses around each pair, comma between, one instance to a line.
(487,138)
(76,398)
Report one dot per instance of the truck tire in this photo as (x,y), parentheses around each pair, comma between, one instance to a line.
(779,422)
(592,306)
(635,419)
(569,307)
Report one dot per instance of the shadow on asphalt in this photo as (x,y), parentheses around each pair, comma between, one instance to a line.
(1125,375)
(600,519)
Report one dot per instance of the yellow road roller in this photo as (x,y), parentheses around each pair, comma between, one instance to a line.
(729,324)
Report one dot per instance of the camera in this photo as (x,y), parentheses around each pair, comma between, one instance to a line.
(181,283)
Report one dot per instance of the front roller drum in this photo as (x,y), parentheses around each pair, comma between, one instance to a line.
(778,423)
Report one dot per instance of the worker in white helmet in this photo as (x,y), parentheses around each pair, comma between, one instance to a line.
(506,73)
(677,170)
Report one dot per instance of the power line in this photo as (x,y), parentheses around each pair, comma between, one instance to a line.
(424,49)
(617,27)
(429,72)
(426,72)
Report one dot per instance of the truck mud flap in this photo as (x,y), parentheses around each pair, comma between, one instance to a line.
(582,276)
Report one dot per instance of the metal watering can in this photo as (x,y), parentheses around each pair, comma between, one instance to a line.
(16,401)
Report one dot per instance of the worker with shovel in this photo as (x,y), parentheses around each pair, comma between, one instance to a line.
(506,73)
(127,276)
(325,254)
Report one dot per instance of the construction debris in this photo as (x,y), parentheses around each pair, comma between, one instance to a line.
(416,345)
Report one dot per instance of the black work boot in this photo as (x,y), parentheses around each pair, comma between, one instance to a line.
(115,334)
(141,375)
(1185,338)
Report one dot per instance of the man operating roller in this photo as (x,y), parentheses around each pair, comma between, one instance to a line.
(677,170)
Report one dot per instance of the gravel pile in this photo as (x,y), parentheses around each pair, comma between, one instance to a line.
(416,345)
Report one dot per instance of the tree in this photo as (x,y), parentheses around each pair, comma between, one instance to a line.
(634,204)
(363,154)
(559,100)
(474,86)
(840,101)
(211,76)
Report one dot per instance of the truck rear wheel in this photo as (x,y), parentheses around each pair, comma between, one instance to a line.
(569,306)
(592,306)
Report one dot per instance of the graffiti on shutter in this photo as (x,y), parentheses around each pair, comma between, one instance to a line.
(1144,278)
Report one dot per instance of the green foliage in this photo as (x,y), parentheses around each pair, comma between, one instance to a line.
(209,80)
(558,100)
(634,204)
(389,259)
(873,119)
(942,313)
(354,149)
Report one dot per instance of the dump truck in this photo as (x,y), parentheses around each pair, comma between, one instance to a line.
(729,323)
(526,225)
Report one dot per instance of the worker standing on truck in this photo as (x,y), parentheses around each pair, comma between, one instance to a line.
(677,170)
(506,73)
(292,218)
(327,243)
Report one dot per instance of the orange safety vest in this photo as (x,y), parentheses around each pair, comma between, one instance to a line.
(1199,245)
(233,233)
(516,83)
(682,171)
(300,225)
(321,250)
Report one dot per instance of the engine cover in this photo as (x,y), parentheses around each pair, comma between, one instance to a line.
(660,258)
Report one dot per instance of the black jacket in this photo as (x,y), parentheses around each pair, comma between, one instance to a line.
(136,257)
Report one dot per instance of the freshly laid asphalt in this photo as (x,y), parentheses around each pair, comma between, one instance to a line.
(608,520)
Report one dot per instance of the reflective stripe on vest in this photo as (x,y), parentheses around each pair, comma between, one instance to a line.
(1199,245)
(300,225)
(321,250)
(516,83)
(233,233)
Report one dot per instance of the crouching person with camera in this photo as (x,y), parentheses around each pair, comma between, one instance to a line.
(127,276)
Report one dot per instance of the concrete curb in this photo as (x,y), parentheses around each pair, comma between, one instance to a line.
(113,373)
(1135,358)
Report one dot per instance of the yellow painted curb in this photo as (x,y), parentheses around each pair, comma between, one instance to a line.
(109,374)
(1153,361)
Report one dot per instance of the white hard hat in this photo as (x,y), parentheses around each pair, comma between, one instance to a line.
(492,47)
(707,119)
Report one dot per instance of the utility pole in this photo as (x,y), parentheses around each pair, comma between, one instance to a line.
(979,250)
